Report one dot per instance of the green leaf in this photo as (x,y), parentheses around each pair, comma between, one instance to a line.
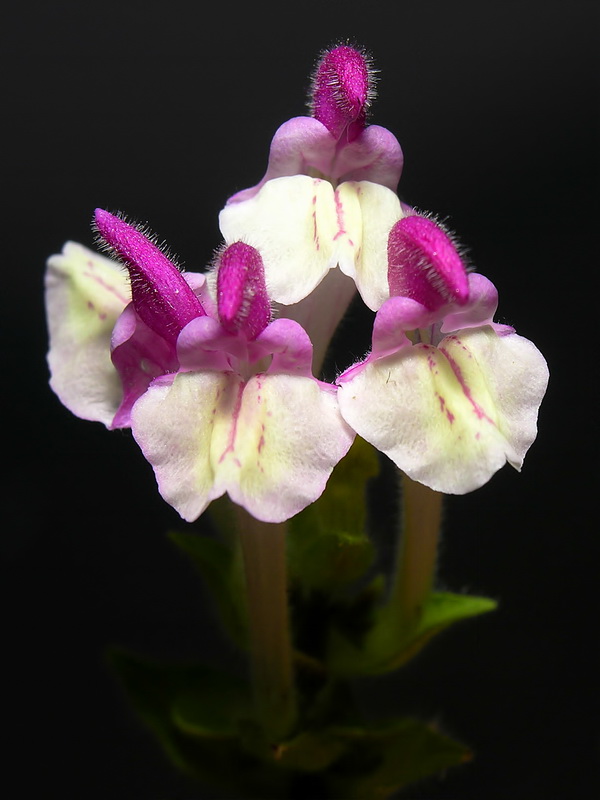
(159,693)
(212,709)
(194,698)
(381,760)
(203,720)
(386,647)
(358,761)
(328,546)
(221,568)
(197,713)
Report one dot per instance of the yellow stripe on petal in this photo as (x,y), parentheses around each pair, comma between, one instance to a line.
(287,437)
(442,414)
(271,443)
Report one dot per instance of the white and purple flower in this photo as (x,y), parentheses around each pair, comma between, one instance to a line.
(219,398)
(449,395)
(328,198)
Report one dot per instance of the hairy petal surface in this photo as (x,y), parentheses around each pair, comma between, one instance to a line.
(424,264)
(303,227)
(342,90)
(270,442)
(450,416)
(242,300)
(161,296)
(85,294)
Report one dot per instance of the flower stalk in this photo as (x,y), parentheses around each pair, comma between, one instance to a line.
(263,550)
(417,552)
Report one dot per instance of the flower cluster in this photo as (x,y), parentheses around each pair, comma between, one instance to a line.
(214,372)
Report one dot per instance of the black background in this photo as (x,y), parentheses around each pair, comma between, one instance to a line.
(163,110)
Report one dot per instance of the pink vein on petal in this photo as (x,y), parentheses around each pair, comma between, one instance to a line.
(339,210)
(463,384)
(102,315)
(315,230)
(233,433)
(261,441)
(105,285)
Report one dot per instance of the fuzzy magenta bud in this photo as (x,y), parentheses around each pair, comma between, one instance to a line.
(342,90)
(160,294)
(242,299)
(424,264)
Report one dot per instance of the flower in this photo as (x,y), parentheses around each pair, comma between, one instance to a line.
(219,398)
(328,196)
(446,393)
(335,142)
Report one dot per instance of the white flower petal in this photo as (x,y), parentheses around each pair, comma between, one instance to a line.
(85,294)
(271,443)
(380,210)
(302,228)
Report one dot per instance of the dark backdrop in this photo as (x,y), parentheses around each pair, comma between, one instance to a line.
(163,110)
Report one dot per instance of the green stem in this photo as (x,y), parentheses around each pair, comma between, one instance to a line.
(417,553)
(263,550)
